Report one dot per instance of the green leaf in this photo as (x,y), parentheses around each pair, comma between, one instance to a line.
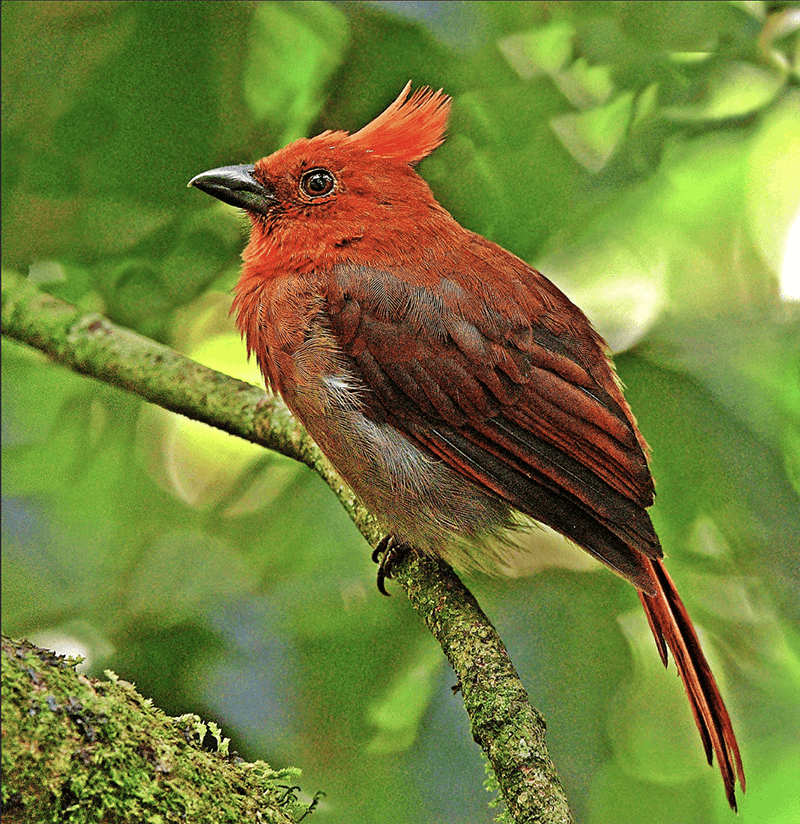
(545,49)
(206,245)
(690,58)
(734,89)
(591,137)
(584,85)
(203,466)
(774,795)
(617,796)
(773,191)
(650,725)
(755,8)
(674,25)
(646,104)
(293,50)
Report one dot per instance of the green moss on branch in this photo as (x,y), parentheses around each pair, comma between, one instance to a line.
(79,750)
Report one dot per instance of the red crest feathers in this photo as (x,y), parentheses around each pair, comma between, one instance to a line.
(409,129)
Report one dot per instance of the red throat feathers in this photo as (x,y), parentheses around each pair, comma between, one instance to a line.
(449,383)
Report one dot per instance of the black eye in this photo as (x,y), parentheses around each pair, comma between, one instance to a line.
(317,182)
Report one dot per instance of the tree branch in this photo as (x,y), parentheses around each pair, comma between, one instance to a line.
(510,731)
(74,745)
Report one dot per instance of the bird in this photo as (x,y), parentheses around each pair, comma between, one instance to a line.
(451,384)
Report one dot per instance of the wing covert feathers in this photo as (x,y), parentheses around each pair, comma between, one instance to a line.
(510,405)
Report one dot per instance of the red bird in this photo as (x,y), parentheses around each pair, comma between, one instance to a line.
(448,382)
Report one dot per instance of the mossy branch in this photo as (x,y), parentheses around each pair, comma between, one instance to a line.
(77,749)
(510,731)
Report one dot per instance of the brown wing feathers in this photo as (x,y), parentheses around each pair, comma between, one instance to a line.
(535,494)
(562,453)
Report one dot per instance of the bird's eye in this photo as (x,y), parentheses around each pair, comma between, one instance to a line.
(317,182)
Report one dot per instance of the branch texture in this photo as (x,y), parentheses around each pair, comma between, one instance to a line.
(510,731)
(77,750)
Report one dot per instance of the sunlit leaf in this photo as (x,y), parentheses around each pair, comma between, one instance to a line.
(755,8)
(584,85)
(545,49)
(773,193)
(616,271)
(197,463)
(735,88)
(646,104)
(690,58)
(591,137)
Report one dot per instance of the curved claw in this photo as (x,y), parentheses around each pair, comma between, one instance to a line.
(388,551)
(381,582)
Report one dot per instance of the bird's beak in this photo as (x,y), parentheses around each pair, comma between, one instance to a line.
(236,186)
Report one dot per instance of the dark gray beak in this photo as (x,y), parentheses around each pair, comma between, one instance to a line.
(236,186)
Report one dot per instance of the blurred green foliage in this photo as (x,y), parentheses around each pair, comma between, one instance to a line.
(646,156)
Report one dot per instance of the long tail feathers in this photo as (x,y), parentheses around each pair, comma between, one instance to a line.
(672,628)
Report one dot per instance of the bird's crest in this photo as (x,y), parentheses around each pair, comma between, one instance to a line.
(409,129)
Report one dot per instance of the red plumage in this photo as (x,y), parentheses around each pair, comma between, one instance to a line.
(449,383)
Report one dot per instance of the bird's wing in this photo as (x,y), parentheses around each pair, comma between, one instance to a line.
(507,403)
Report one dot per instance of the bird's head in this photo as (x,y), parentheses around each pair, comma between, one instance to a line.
(318,197)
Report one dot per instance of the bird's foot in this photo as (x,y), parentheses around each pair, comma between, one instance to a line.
(388,552)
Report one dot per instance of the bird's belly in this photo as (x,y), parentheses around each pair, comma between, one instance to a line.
(413,494)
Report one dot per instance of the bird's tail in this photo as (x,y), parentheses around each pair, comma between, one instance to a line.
(672,628)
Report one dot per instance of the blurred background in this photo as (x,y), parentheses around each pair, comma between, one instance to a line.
(645,156)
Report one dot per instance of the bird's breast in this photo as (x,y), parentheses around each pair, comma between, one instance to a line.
(417,496)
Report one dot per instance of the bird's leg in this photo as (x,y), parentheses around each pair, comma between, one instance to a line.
(388,552)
